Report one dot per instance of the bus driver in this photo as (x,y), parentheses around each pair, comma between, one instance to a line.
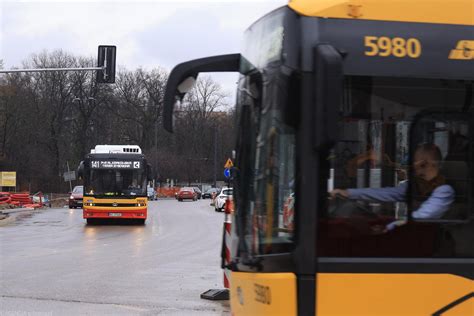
(432,197)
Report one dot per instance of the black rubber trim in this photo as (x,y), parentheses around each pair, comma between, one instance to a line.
(459,267)
(453,304)
(306,293)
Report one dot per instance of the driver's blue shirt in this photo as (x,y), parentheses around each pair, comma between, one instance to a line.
(434,207)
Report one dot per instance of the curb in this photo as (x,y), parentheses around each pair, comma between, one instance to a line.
(7,220)
(11,214)
(16,210)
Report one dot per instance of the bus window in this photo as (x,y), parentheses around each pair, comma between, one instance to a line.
(269,223)
(449,168)
(390,194)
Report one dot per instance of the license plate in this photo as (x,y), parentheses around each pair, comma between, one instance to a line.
(115,214)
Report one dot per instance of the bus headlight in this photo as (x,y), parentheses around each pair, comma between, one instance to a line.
(141,203)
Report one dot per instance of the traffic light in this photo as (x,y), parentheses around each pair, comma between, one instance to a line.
(106,60)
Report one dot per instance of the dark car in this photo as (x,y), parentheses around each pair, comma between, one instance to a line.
(75,199)
(198,192)
(186,193)
(208,193)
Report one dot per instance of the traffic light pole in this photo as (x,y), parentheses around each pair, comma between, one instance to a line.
(105,69)
(51,69)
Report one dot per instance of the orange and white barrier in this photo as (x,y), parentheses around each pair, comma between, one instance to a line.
(229,210)
(289,213)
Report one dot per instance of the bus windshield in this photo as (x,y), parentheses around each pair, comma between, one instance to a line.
(108,182)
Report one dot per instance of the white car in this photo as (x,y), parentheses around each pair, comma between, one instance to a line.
(219,203)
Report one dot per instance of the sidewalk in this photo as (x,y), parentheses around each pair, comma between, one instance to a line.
(8,216)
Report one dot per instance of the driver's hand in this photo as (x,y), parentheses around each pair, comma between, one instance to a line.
(338,192)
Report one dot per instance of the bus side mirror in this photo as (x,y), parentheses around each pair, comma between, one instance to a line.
(183,76)
(329,91)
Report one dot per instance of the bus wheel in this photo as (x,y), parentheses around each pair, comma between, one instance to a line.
(91,221)
(141,221)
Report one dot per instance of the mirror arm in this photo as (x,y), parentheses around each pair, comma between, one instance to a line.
(192,68)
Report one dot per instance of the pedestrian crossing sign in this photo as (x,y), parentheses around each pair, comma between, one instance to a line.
(229,164)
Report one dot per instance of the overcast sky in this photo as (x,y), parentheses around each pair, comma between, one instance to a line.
(147,34)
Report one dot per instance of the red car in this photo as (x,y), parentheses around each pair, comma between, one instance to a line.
(186,193)
(75,199)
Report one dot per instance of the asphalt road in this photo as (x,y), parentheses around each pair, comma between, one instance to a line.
(52,263)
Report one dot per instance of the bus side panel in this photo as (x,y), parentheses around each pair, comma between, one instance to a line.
(394,294)
(263,293)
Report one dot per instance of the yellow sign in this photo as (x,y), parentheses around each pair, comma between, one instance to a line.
(228,164)
(464,51)
(8,179)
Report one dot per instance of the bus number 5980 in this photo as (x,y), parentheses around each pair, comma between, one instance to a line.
(398,47)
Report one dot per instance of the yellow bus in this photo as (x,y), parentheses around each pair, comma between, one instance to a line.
(115,183)
(370,99)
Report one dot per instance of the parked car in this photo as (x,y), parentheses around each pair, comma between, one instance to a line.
(198,192)
(208,193)
(151,193)
(75,199)
(186,193)
(219,202)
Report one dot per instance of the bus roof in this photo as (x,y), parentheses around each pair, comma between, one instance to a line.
(460,12)
(116,149)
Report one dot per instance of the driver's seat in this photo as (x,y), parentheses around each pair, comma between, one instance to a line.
(457,176)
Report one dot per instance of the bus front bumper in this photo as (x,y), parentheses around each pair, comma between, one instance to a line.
(115,213)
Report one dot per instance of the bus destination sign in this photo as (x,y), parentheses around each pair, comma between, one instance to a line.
(115,164)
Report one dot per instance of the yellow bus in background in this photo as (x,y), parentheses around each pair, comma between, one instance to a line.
(115,183)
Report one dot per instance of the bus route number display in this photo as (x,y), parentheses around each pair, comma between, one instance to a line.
(115,164)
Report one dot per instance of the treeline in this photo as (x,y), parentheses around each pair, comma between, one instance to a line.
(49,120)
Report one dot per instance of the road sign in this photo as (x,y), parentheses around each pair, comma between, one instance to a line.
(8,179)
(229,164)
(69,176)
(227,173)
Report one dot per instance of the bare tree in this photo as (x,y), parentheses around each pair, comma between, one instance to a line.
(48,119)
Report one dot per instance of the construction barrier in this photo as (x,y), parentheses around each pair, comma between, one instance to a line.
(167,192)
(22,199)
(5,198)
(228,209)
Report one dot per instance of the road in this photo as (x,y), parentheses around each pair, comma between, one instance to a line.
(52,263)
